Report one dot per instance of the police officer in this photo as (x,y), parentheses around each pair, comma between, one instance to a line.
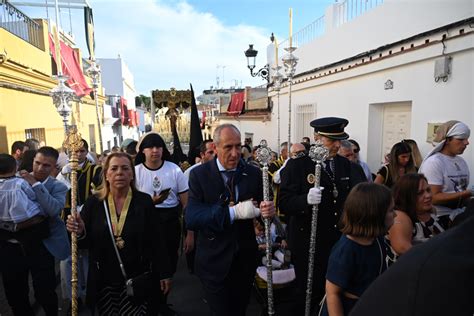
(297,195)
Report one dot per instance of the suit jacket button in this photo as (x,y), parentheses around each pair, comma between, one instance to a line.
(301,229)
(335,214)
(335,226)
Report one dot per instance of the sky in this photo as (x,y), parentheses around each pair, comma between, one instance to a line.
(171,43)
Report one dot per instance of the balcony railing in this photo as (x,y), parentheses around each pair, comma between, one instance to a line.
(349,9)
(306,34)
(19,24)
(345,11)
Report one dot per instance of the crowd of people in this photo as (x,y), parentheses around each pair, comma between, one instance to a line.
(136,207)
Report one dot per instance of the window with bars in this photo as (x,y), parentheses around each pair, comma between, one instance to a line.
(304,114)
(36,133)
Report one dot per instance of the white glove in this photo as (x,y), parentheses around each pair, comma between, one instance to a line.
(66,169)
(314,196)
(246,210)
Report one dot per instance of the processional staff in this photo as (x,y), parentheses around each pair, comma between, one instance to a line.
(318,153)
(73,143)
(264,156)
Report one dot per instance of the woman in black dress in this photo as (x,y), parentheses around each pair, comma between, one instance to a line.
(140,247)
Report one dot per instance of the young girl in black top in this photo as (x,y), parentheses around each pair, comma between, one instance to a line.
(358,258)
(400,163)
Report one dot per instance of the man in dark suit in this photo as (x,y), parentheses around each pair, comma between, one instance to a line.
(222,197)
(297,195)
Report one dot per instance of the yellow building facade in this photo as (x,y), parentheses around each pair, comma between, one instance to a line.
(26,107)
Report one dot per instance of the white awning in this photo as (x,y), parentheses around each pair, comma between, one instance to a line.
(109,121)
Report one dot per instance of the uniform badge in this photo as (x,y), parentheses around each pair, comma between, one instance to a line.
(311,178)
(156,183)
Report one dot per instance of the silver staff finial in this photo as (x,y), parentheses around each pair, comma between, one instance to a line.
(264,154)
(318,152)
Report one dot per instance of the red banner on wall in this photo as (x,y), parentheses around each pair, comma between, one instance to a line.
(236,105)
(124,111)
(71,68)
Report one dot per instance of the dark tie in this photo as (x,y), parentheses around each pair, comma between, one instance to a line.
(229,183)
(330,168)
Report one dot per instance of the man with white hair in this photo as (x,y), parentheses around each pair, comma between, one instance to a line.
(447,172)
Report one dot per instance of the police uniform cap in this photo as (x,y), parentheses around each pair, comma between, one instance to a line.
(331,127)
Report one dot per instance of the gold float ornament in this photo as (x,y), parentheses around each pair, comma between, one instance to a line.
(73,143)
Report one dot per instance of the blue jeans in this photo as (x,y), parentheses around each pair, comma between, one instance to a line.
(82,270)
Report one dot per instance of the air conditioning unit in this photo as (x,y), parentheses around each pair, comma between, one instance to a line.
(442,68)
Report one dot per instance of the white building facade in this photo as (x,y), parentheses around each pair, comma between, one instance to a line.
(118,81)
(395,71)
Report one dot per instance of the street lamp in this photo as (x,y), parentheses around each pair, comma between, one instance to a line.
(62,95)
(251,55)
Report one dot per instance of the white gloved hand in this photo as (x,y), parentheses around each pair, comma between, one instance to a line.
(66,169)
(314,196)
(246,210)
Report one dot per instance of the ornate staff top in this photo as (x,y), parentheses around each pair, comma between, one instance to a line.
(318,153)
(264,154)
(73,141)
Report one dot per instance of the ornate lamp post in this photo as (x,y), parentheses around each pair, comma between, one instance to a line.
(290,61)
(251,54)
(94,72)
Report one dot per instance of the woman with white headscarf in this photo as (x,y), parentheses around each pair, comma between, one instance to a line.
(447,172)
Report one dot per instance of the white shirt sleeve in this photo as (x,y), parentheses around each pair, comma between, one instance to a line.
(182,181)
(232,213)
(432,168)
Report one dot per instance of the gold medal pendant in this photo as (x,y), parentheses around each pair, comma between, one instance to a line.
(118,224)
(120,242)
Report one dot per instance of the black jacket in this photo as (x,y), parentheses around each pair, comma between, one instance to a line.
(144,247)
(294,188)
(207,212)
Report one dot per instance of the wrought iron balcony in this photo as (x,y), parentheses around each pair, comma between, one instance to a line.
(19,24)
